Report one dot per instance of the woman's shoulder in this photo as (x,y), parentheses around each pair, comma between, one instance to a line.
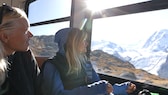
(52,65)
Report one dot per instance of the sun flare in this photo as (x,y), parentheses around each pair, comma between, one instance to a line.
(95,5)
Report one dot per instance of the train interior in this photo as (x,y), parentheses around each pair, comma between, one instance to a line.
(128,40)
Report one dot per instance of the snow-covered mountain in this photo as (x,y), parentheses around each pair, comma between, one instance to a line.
(152,57)
(158,41)
(109,47)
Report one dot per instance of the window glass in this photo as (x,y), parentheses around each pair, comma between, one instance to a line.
(42,43)
(42,10)
(132,46)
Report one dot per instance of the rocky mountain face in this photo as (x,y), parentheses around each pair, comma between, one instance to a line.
(108,64)
(43,46)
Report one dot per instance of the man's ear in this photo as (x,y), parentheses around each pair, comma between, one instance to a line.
(3,37)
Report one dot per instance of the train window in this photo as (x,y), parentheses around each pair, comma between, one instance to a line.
(49,29)
(42,43)
(132,46)
(42,10)
(46,18)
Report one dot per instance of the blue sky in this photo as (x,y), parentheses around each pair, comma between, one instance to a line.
(42,10)
(142,25)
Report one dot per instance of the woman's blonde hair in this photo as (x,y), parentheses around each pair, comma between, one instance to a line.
(3,64)
(11,14)
(74,57)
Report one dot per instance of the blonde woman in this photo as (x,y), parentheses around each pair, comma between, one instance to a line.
(14,38)
(71,73)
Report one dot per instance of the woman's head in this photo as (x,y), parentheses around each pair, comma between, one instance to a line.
(14,29)
(76,42)
(72,43)
(71,39)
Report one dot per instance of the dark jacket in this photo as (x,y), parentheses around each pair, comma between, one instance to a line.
(54,80)
(22,74)
(73,80)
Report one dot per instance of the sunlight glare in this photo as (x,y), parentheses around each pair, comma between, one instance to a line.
(95,5)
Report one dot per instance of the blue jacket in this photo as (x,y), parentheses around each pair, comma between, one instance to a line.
(52,83)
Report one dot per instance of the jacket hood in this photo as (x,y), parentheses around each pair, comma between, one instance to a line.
(60,39)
